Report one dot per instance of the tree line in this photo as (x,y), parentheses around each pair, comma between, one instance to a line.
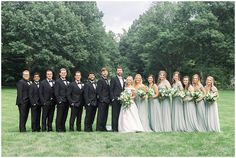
(191,37)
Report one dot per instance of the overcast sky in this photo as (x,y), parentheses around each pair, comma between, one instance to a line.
(121,14)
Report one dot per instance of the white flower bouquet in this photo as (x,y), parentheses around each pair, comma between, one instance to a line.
(125,99)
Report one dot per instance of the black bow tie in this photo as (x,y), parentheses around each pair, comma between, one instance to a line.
(36,82)
(63,80)
(50,81)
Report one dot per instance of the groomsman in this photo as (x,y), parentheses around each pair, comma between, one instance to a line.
(90,102)
(22,99)
(60,91)
(35,103)
(47,98)
(116,87)
(103,95)
(75,97)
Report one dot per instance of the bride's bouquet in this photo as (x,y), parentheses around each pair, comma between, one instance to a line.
(211,97)
(164,93)
(141,92)
(196,95)
(150,92)
(125,99)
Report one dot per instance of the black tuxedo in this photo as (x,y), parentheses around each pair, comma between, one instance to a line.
(48,101)
(90,97)
(23,102)
(75,97)
(35,106)
(115,91)
(103,95)
(60,91)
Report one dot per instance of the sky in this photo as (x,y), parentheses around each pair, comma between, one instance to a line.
(119,15)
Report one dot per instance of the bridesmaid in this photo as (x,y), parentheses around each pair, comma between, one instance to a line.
(142,103)
(165,103)
(200,105)
(178,122)
(211,108)
(154,107)
(190,117)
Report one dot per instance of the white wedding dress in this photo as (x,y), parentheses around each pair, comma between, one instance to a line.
(129,120)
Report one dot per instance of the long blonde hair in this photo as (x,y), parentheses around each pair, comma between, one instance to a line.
(199,81)
(212,79)
(136,76)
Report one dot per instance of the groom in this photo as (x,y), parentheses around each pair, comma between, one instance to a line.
(116,87)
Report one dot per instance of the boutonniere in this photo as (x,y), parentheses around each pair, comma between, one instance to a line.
(82,84)
(68,82)
(53,82)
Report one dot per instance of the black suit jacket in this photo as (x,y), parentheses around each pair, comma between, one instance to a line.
(115,88)
(34,94)
(103,91)
(60,91)
(90,95)
(46,92)
(75,94)
(22,92)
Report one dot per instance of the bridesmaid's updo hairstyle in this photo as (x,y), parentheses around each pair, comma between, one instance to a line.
(184,86)
(161,72)
(176,72)
(151,75)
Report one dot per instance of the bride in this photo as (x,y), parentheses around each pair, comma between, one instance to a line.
(129,120)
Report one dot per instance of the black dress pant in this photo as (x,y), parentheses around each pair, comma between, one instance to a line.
(116,105)
(102,116)
(89,118)
(35,117)
(23,115)
(62,111)
(76,113)
(47,116)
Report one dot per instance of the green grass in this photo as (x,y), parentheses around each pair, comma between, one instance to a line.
(116,144)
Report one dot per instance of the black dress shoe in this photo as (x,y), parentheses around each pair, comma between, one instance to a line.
(71,130)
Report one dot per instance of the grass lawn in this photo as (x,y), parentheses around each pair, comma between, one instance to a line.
(116,144)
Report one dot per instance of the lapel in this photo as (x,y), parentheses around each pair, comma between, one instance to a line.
(53,82)
(117,80)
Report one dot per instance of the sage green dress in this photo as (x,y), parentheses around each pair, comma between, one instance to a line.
(165,108)
(178,122)
(213,123)
(142,105)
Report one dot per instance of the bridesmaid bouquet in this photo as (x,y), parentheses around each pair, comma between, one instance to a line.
(150,92)
(141,92)
(164,93)
(177,93)
(125,99)
(211,97)
(196,95)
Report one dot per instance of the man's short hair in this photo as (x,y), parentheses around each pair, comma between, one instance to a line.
(36,73)
(49,70)
(91,73)
(104,69)
(62,69)
(77,72)
(25,71)
(118,67)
